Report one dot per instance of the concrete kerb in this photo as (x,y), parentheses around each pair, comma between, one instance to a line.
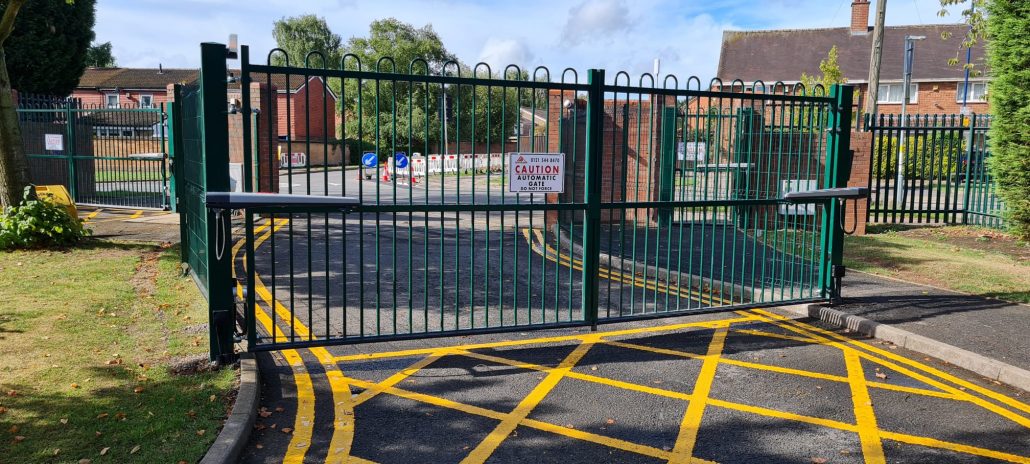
(236,431)
(626,266)
(987,367)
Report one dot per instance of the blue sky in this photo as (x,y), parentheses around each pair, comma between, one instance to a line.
(611,34)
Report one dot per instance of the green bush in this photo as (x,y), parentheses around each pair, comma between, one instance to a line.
(936,158)
(38,224)
(1009,58)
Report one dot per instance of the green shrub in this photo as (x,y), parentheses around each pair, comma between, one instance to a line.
(38,224)
(925,158)
(1009,58)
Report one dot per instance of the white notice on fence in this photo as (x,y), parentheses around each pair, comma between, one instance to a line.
(536,172)
(54,141)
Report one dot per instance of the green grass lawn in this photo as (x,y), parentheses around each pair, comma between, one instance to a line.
(967,259)
(87,338)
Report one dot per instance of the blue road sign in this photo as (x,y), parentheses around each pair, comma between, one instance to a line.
(401,160)
(369,160)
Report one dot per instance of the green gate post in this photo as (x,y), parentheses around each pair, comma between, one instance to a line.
(667,165)
(215,130)
(70,149)
(970,141)
(838,169)
(592,187)
(175,149)
(169,114)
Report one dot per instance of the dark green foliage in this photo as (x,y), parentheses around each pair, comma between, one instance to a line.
(1008,25)
(38,224)
(46,53)
(926,158)
(100,56)
(300,35)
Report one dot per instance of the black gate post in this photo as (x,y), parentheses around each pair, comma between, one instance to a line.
(215,129)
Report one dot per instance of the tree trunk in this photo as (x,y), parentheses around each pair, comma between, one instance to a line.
(14,167)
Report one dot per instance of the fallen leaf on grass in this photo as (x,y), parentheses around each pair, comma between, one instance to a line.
(201,432)
(134,450)
(75,385)
(57,451)
(286,430)
(2,409)
(64,420)
(19,438)
(102,415)
(14,429)
(12,392)
(120,416)
(212,398)
(85,461)
(137,390)
(105,450)
(192,413)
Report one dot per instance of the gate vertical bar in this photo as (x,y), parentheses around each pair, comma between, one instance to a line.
(69,121)
(177,152)
(214,126)
(170,114)
(592,194)
(838,169)
(970,139)
(668,161)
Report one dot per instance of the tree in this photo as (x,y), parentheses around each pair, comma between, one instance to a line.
(100,56)
(14,173)
(831,73)
(46,52)
(300,35)
(1009,59)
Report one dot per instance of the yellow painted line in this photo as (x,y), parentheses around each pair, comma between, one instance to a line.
(486,448)
(136,215)
(762,333)
(784,370)
(934,443)
(691,423)
(92,215)
(812,331)
(343,417)
(868,432)
(542,340)
(805,329)
(429,399)
(830,423)
(395,379)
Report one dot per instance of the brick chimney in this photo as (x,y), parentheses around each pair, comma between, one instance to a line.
(860,17)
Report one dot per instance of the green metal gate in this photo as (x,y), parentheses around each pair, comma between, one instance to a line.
(647,225)
(103,156)
(932,169)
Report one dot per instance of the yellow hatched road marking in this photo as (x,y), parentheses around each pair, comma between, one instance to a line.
(542,340)
(489,444)
(806,329)
(395,379)
(761,333)
(935,443)
(136,215)
(785,370)
(691,423)
(872,448)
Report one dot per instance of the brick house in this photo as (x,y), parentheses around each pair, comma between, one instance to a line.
(937,87)
(129,87)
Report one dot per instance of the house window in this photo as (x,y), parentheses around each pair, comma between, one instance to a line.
(146,101)
(977,92)
(111,100)
(893,93)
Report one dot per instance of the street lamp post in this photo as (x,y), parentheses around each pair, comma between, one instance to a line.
(899,183)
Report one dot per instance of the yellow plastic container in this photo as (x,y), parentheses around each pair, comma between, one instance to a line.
(59,195)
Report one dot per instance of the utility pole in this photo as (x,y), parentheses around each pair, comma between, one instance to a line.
(874,58)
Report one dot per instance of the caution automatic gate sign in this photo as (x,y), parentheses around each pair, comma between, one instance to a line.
(536,172)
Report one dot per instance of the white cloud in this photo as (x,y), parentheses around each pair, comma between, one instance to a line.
(610,34)
(593,19)
(502,52)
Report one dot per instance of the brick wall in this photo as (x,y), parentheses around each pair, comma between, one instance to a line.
(861,145)
(126,98)
(932,97)
(267,138)
(630,144)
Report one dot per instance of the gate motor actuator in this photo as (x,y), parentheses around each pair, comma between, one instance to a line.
(222,202)
(841,195)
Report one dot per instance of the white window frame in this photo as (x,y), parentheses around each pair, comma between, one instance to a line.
(148,96)
(881,97)
(117,100)
(972,99)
